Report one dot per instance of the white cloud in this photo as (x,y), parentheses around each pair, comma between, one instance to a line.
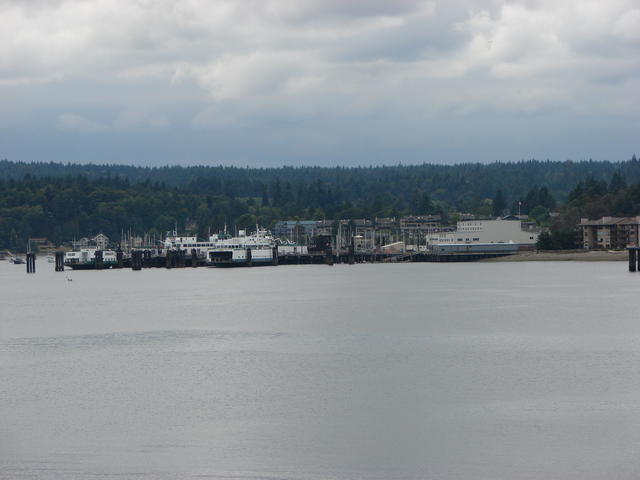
(627,25)
(132,120)
(26,79)
(326,66)
(71,122)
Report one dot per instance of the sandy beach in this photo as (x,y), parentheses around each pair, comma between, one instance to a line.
(564,255)
(559,256)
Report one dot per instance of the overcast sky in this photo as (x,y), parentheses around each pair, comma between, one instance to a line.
(323,82)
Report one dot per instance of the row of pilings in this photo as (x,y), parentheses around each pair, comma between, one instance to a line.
(140,259)
(31,263)
(173,259)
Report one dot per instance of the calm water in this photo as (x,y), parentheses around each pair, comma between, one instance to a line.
(467,371)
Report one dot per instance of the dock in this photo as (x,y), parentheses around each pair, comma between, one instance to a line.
(144,259)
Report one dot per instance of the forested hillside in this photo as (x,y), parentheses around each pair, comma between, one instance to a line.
(591,199)
(457,184)
(64,201)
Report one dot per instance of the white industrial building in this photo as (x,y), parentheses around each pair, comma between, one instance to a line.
(506,230)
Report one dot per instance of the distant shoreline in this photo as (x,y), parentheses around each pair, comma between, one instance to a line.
(572,255)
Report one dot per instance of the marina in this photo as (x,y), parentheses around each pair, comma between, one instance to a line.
(259,248)
(390,240)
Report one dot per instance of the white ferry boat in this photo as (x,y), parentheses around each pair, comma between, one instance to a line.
(244,250)
(84,259)
(187,244)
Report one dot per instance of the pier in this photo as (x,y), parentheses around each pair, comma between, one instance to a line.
(260,248)
(138,260)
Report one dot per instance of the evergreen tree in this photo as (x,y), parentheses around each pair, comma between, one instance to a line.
(499,203)
(426,207)
(617,182)
(265,196)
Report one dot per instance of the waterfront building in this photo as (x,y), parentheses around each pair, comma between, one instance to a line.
(101,241)
(415,229)
(299,231)
(420,224)
(366,234)
(609,232)
(502,230)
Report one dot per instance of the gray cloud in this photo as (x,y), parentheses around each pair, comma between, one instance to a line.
(318,81)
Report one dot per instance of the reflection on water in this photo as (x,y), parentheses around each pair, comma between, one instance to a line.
(369,371)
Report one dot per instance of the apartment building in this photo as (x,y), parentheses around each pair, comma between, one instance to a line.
(609,232)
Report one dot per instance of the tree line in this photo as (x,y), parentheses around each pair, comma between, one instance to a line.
(66,201)
(592,199)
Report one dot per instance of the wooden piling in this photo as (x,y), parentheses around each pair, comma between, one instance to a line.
(274,256)
(328,257)
(632,259)
(59,262)
(147,261)
(136,260)
(248,261)
(31,263)
(351,251)
(194,257)
(98,260)
(119,258)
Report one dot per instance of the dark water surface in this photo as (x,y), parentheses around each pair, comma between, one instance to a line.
(451,371)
